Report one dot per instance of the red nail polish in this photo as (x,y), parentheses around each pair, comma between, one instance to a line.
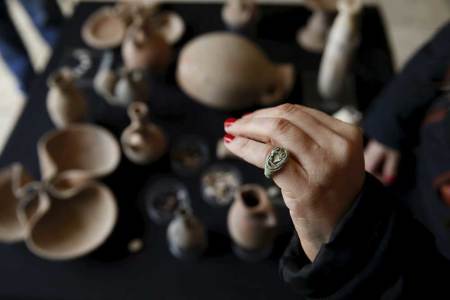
(228,138)
(229,121)
(389,179)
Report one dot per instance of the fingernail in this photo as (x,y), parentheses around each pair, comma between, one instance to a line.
(389,179)
(228,138)
(228,122)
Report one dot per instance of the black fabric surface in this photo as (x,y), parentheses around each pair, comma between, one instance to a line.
(109,272)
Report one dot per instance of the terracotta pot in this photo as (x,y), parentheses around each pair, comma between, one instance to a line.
(144,48)
(313,36)
(12,180)
(342,41)
(65,221)
(65,102)
(238,14)
(89,150)
(142,141)
(225,71)
(169,25)
(252,220)
(186,235)
(104,29)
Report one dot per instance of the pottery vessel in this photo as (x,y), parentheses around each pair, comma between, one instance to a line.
(104,29)
(226,71)
(64,221)
(252,220)
(186,235)
(169,25)
(65,102)
(12,179)
(144,48)
(313,36)
(120,87)
(342,41)
(88,150)
(142,141)
(238,14)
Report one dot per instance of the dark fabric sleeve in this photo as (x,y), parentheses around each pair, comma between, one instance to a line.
(395,116)
(375,252)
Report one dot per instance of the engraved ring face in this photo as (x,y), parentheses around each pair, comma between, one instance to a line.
(276,159)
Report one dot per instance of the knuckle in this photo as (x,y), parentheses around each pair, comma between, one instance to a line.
(288,108)
(281,126)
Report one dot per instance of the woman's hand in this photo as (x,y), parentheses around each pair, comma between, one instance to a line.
(325,171)
(381,161)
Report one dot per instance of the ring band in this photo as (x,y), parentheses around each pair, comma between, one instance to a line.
(275,161)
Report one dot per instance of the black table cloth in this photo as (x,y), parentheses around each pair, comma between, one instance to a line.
(111,272)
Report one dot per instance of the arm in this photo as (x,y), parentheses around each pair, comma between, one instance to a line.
(395,117)
(375,250)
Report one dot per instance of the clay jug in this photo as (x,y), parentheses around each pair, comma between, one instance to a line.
(342,41)
(130,87)
(142,141)
(226,71)
(64,220)
(65,102)
(238,14)
(144,48)
(186,235)
(86,149)
(12,181)
(252,220)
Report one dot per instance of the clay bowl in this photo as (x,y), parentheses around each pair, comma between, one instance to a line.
(69,227)
(104,29)
(11,179)
(87,149)
(170,25)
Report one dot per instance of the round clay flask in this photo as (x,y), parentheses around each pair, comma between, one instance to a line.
(186,235)
(142,141)
(252,222)
(226,71)
(65,102)
(144,48)
(65,221)
(13,179)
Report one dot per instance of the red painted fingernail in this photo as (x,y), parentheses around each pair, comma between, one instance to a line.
(228,138)
(229,121)
(389,179)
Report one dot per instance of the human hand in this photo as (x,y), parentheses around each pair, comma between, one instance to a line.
(325,171)
(381,161)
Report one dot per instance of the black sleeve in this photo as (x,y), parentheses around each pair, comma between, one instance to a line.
(377,251)
(395,116)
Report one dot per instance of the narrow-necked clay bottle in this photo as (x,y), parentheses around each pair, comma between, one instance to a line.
(144,48)
(130,87)
(226,71)
(106,78)
(142,141)
(65,102)
(186,235)
(342,41)
(252,220)
(239,14)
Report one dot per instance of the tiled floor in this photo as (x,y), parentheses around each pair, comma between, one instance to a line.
(409,23)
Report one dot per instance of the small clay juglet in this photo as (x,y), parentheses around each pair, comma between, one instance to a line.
(142,141)
(65,102)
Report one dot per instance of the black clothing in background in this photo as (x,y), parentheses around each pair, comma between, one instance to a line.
(380,250)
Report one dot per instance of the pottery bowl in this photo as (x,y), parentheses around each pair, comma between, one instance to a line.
(11,178)
(74,226)
(87,149)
